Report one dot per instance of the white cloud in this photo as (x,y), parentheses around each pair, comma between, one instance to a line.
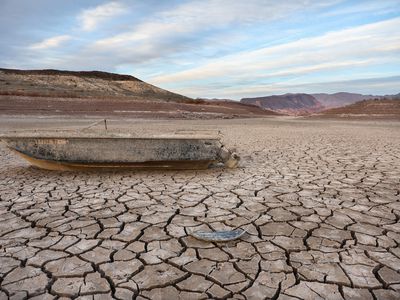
(90,18)
(349,47)
(51,42)
(195,16)
(373,7)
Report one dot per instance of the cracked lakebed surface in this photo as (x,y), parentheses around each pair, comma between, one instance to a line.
(319,201)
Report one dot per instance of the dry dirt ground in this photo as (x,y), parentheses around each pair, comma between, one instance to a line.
(319,200)
(125,107)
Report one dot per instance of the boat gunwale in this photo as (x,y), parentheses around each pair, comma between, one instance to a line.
(89,137)
(111,134)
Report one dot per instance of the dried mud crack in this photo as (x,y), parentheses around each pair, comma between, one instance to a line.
(320,201)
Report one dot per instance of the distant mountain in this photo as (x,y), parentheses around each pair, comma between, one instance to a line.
(341,99)
(393,97)
(373,108)
(288,103)
(301,103)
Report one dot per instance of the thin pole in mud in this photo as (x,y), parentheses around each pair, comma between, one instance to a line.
(94,124)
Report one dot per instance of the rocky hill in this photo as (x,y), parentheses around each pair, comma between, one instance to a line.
(373,108)
(80,84)
(341,99)
(288,103)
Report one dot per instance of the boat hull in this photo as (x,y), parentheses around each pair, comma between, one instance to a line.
(83,153)
(70,166)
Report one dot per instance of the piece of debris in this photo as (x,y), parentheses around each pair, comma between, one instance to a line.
(219,236)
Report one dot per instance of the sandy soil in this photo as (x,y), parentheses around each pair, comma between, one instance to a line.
(319,200)
(125,107)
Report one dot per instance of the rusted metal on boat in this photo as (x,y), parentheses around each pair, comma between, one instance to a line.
(82,150)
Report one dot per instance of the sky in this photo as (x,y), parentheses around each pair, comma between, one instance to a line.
(213,48)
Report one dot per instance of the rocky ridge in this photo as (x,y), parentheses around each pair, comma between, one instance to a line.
(83,84)
(287,103)
(301,103)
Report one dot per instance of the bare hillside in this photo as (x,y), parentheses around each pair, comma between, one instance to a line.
(341,99)
(385,108)
(80,84)
(292,104)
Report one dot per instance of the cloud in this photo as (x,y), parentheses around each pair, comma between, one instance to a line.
(367,45)
(90,18)
(50,42)
(373,7)
(375,85)
(187,25)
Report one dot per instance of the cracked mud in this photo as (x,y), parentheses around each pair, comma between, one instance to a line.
(319,201)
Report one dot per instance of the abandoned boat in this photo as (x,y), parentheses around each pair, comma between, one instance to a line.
(60,150)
